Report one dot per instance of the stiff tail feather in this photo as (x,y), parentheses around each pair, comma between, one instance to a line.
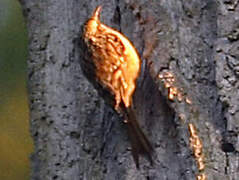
(139,142)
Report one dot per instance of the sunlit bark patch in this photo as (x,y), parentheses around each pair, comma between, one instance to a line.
(197,148)
(174,92)
(201,176)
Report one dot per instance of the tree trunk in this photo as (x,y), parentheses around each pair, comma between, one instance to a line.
(77,136)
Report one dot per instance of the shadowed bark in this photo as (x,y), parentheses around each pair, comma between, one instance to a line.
(78,136)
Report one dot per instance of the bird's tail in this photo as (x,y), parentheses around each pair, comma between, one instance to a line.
(139,142)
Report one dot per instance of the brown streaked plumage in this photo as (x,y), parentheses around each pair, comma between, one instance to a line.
(117,66)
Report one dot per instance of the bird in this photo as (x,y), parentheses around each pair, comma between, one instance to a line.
(115,66)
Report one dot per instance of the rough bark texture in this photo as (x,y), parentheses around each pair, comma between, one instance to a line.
(77,136)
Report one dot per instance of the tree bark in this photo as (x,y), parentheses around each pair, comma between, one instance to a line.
(77,136)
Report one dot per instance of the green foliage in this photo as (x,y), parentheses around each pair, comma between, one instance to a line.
(15,140)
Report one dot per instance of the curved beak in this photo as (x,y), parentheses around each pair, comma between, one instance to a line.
(96,14)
